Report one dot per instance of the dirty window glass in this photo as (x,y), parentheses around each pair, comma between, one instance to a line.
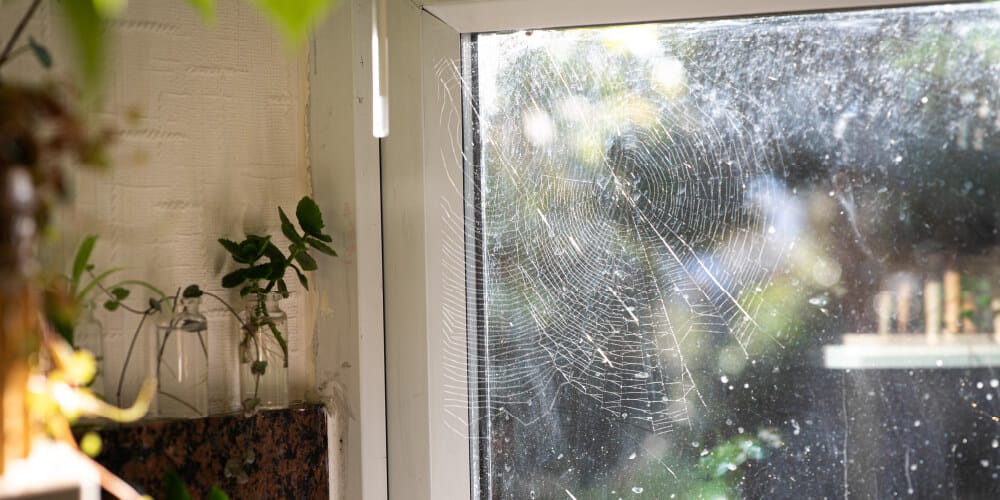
(750,258)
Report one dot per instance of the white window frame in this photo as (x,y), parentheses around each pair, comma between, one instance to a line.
(399,442)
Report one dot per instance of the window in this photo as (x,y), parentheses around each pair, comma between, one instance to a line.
(737,258)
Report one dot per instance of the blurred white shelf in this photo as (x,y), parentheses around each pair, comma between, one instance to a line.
(52,472)
(869,351)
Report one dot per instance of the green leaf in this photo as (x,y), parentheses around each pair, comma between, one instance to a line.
(110,8)
(306,261)
(258,367)
(41,53)
(231,246)
(274,254)
(174,487)
(302,278)
(281,341)
(259,244)
(206,8)
(192,291)
(282,288)
(247,290)
(257,272)
(87,31)
(120,293)
(246,253)
(310,218)
(61,312)
(97,279)
(288,229)
(295,18)
(111,305)
(144,284)
(322,247)
(217,494)
(277,272)
(81,260)
(233,279)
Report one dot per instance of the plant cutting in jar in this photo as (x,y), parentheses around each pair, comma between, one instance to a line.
(261,280)
(86,285)
(70,298)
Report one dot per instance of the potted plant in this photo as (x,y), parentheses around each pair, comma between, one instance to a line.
(263,346)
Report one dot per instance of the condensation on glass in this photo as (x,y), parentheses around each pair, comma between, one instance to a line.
(750,258)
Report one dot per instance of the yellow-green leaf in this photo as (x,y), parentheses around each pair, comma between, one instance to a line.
(86,29)
(110,8)
(206,8)
(216,493)
(91,444)
(295,17)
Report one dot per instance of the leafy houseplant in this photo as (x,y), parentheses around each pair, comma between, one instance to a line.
(262,277)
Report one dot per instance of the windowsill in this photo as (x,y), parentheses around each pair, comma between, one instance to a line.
(867,351)
(289,453)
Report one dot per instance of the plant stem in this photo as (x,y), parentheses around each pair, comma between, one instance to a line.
(5,55)
(122,304)
(181,401)
(128,356)
(144,284)
(16,52)
(231,310)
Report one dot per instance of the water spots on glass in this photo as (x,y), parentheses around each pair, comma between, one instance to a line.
(820,300)
(673,213)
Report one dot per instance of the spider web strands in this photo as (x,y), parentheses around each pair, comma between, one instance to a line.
(597,286)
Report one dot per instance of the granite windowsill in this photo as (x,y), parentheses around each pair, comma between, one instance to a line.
(289,458)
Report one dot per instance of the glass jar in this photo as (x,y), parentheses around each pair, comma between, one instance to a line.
(130,366)
(182,367)
(89,334)
(263,363)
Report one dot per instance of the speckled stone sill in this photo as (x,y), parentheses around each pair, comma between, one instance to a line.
(289,458)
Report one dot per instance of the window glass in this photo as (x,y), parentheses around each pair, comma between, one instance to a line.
(741,258)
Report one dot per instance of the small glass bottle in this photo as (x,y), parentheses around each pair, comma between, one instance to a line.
(263,364)
(135,361)
(89,334)
(182,368)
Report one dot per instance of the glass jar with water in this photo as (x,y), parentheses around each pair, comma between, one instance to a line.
(182,363)
(262,351)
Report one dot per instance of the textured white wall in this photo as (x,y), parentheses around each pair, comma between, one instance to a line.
(220,144)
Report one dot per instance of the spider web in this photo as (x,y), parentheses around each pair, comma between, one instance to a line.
(604,266)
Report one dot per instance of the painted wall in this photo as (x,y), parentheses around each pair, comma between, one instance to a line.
(221,142)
